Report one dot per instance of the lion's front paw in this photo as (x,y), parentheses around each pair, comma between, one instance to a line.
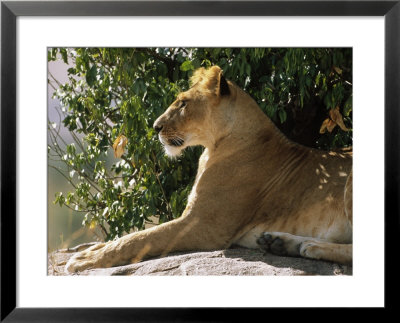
(280,243)
(93,257)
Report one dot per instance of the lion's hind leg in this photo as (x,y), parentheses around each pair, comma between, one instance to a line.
(286,244)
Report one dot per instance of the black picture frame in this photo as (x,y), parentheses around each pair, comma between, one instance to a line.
(10,10)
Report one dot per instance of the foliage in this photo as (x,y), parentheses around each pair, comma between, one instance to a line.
(115,93)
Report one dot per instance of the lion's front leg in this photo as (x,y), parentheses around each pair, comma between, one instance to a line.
(185,233)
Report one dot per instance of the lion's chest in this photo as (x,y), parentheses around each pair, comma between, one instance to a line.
(200,172)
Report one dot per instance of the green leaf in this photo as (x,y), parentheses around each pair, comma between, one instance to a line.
(187,66)
(91,75)
(60,199)
(64,55)
(282,115)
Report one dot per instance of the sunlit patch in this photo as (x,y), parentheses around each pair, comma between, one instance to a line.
(324,172)
(342,174)
(329,198)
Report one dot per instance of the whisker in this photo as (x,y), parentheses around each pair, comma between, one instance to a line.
(177,141)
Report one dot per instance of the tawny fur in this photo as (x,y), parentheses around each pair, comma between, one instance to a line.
(251,179)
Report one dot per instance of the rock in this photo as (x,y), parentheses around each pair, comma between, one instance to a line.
(233,261)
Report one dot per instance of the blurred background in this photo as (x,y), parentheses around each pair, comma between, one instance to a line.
(65,227)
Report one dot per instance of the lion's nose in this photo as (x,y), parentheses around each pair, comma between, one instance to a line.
(157,126)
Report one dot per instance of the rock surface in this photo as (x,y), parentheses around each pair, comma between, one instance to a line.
(233,261)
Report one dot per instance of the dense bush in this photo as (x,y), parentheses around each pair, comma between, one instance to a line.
(114,95)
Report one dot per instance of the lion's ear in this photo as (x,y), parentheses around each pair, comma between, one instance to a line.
(211,80)
(223,86)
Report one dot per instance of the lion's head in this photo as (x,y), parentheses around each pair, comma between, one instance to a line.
(196,117)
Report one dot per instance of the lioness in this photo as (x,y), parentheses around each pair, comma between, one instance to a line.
(254,187)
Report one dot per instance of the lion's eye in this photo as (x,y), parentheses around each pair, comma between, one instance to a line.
(182,104)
